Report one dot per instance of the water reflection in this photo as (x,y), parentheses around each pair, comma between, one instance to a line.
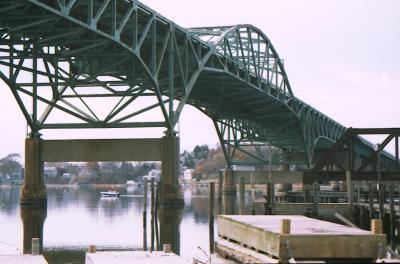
(79,217)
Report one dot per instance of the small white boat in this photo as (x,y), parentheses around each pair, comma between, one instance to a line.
(110,194)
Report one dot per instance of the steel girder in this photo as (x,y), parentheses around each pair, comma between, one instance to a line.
(77,51)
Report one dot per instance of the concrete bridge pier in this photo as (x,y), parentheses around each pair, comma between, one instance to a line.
(33,222)
(171,191)
(170,224)
(229,186)
(33,192)
(229,192)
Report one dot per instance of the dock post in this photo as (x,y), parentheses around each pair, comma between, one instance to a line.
(253,194)
(211,217)
(220,187)
(376,226)
(392,217)
(156,205)
(285,227)
(315,199)
(241,196)
(349,189)
(152,215)
(371,200)
(381,190)
(145,215)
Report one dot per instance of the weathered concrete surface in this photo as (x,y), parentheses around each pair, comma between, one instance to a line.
(33,191)
(129,257)
(171,191)
(308,239)
(229,186)
(146,149)
(32,221)
(22,259)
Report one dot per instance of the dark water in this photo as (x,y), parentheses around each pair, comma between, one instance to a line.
(78,217)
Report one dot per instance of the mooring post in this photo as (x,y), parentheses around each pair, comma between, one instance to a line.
(285,227)
(156,205)
(145,215)
(220,188)
(253,194)
(349,189)
(376,226)
(392,217)
(241,196)
(211,217)
(381,190)
(152,205)
(315,199)
(371,200)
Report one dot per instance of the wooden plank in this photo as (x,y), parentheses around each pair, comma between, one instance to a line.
(327,240)
(22,259)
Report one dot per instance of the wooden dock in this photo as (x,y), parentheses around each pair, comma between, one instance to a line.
(22,259)
(299,237)
(128,257)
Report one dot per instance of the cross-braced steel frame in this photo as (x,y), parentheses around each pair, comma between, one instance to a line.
(88,63)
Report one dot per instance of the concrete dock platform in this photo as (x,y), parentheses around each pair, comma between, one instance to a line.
(129,257)
(299,237)
(22,259)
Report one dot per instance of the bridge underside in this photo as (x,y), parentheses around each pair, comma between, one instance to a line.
(90,64)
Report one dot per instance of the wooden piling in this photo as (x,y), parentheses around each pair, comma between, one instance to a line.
(156,205)
(241,196)
(152,214)
(392,217)
(315,199)
(285,227)
(220,187)
(376,226)
(92,249)
(145,215)
(349,189)
(211,217)
(371,200)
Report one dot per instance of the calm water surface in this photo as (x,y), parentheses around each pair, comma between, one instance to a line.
(79,217)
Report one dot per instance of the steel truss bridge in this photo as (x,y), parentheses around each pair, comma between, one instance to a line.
(98,64)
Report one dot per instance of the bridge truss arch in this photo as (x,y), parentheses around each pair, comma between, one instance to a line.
(75,52)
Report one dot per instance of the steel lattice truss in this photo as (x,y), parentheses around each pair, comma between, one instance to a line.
(90,63)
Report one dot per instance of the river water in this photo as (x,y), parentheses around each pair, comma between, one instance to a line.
(78,217)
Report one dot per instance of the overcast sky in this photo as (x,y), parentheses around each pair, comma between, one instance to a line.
(342,57)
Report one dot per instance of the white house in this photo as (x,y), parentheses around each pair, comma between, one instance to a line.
(187,175)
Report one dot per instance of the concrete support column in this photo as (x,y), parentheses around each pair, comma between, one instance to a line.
(33,192)
(229,182)
(33,221)
(170,224)
(171,191)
